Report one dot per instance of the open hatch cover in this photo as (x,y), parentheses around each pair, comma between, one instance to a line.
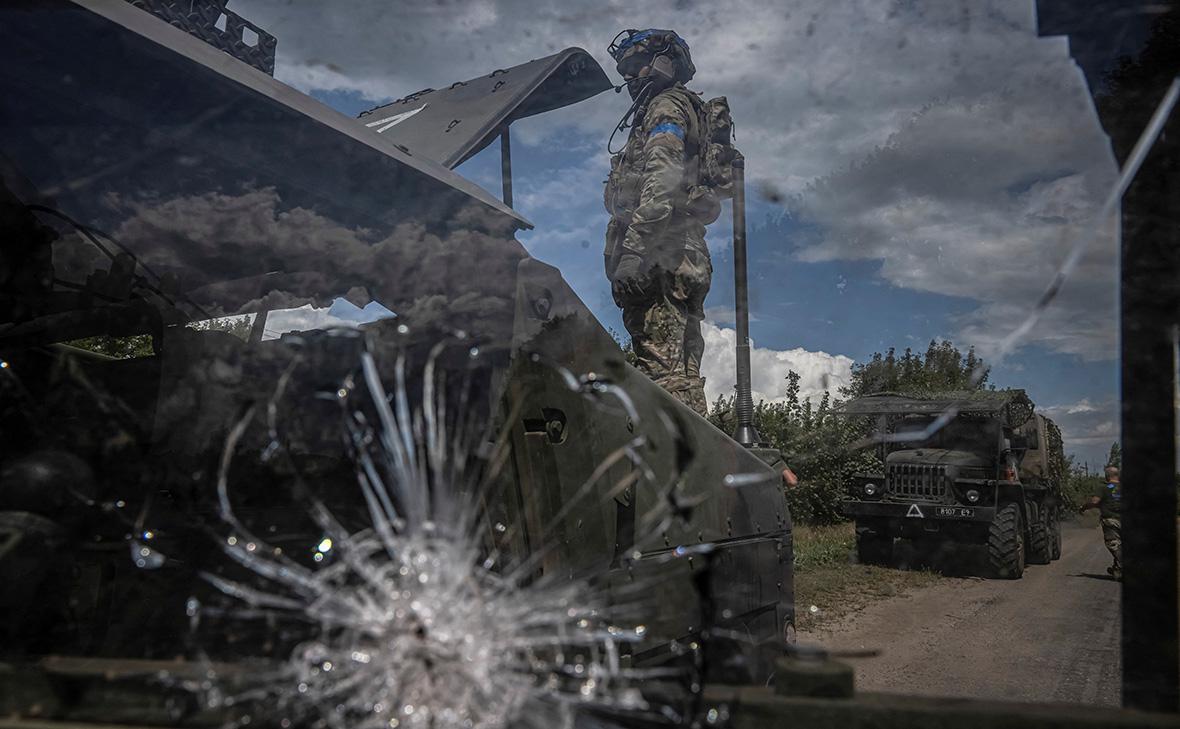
(452,124)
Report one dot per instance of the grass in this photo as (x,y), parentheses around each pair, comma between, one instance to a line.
(823,546)
(828,585)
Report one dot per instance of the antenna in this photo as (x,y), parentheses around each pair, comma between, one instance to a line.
(746,433)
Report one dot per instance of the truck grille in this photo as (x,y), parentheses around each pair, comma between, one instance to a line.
(917,482)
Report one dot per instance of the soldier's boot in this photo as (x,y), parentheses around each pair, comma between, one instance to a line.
(1116,569)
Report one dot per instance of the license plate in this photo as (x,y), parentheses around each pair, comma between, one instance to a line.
(955,512)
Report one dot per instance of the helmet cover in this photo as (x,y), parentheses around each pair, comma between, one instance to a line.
(639,47)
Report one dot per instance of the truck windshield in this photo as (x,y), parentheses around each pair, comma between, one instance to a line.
(976,435)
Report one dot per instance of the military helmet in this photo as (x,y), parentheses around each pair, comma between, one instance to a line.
(633,49)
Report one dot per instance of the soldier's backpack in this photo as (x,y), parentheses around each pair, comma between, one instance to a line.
(715,156)
(717,152)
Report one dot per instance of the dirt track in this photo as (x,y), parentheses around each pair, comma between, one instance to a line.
(1052,636)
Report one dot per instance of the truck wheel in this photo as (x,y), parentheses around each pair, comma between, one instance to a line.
(1055,534)
(1005,542)
(874,549)
(1040,541)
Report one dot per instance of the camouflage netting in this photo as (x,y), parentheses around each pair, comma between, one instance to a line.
(1055,453)
(1012,405)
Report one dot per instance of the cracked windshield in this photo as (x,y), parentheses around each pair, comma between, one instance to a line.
(502,364)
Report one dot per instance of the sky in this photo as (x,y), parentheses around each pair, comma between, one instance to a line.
(917,169)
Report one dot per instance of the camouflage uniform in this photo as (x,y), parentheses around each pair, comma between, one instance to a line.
(648,196)
(1112,528)
(1110,497)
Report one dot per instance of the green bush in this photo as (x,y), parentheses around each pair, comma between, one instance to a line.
(1078,487)
(820,446)
(823,546)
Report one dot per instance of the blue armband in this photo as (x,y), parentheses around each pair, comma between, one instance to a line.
(668,128)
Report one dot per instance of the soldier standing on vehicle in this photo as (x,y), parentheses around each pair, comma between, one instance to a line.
(661,196)
(1108,500)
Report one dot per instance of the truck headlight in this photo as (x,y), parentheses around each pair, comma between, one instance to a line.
(972,496)
(871,489)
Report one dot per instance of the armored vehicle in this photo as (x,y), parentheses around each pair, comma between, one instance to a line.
(202,264)
(980,469)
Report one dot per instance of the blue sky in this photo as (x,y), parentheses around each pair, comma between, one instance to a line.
(915,174)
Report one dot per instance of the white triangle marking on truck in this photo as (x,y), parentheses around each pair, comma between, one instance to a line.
(915,512)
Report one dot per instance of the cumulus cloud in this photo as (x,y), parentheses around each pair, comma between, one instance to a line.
(1082,406)
(943,138)
(814,85)
(988,220)
(819,372)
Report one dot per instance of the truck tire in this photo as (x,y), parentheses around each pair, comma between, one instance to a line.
(874,549)
(1055,534)
(1040,541)
(1005,542)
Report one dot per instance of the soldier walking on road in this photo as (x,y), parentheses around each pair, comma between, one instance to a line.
(660,199)
(1108,500)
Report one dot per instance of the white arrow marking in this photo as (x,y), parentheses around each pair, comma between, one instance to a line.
(392,121)
(915,512)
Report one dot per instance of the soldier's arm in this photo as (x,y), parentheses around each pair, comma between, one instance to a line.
(663,174)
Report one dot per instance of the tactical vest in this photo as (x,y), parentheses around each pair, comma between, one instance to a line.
(697,197)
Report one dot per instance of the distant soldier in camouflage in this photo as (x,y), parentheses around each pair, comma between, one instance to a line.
(1108,499)
(656,257)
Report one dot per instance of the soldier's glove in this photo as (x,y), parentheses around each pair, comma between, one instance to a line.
(629,280)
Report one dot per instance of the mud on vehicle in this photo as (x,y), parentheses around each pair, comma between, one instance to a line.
(982,469)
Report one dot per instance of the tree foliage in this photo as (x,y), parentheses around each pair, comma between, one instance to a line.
(943,369)
(1079,484)
(239,326)
(140,345)
(1116,455)
(818,444)
(624,343)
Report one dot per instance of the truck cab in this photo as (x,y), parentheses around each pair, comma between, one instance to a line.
(954,469)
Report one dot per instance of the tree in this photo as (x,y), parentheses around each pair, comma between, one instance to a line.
(140,345)
(239,326)
(1116,455)
(624,344)
(943,369)
(819,444)
(1079,484)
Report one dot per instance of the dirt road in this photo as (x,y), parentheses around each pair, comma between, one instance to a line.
(1052,636)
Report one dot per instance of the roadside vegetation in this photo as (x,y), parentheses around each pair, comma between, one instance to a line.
(829,585)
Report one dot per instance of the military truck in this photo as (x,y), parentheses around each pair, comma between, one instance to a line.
(981,468)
